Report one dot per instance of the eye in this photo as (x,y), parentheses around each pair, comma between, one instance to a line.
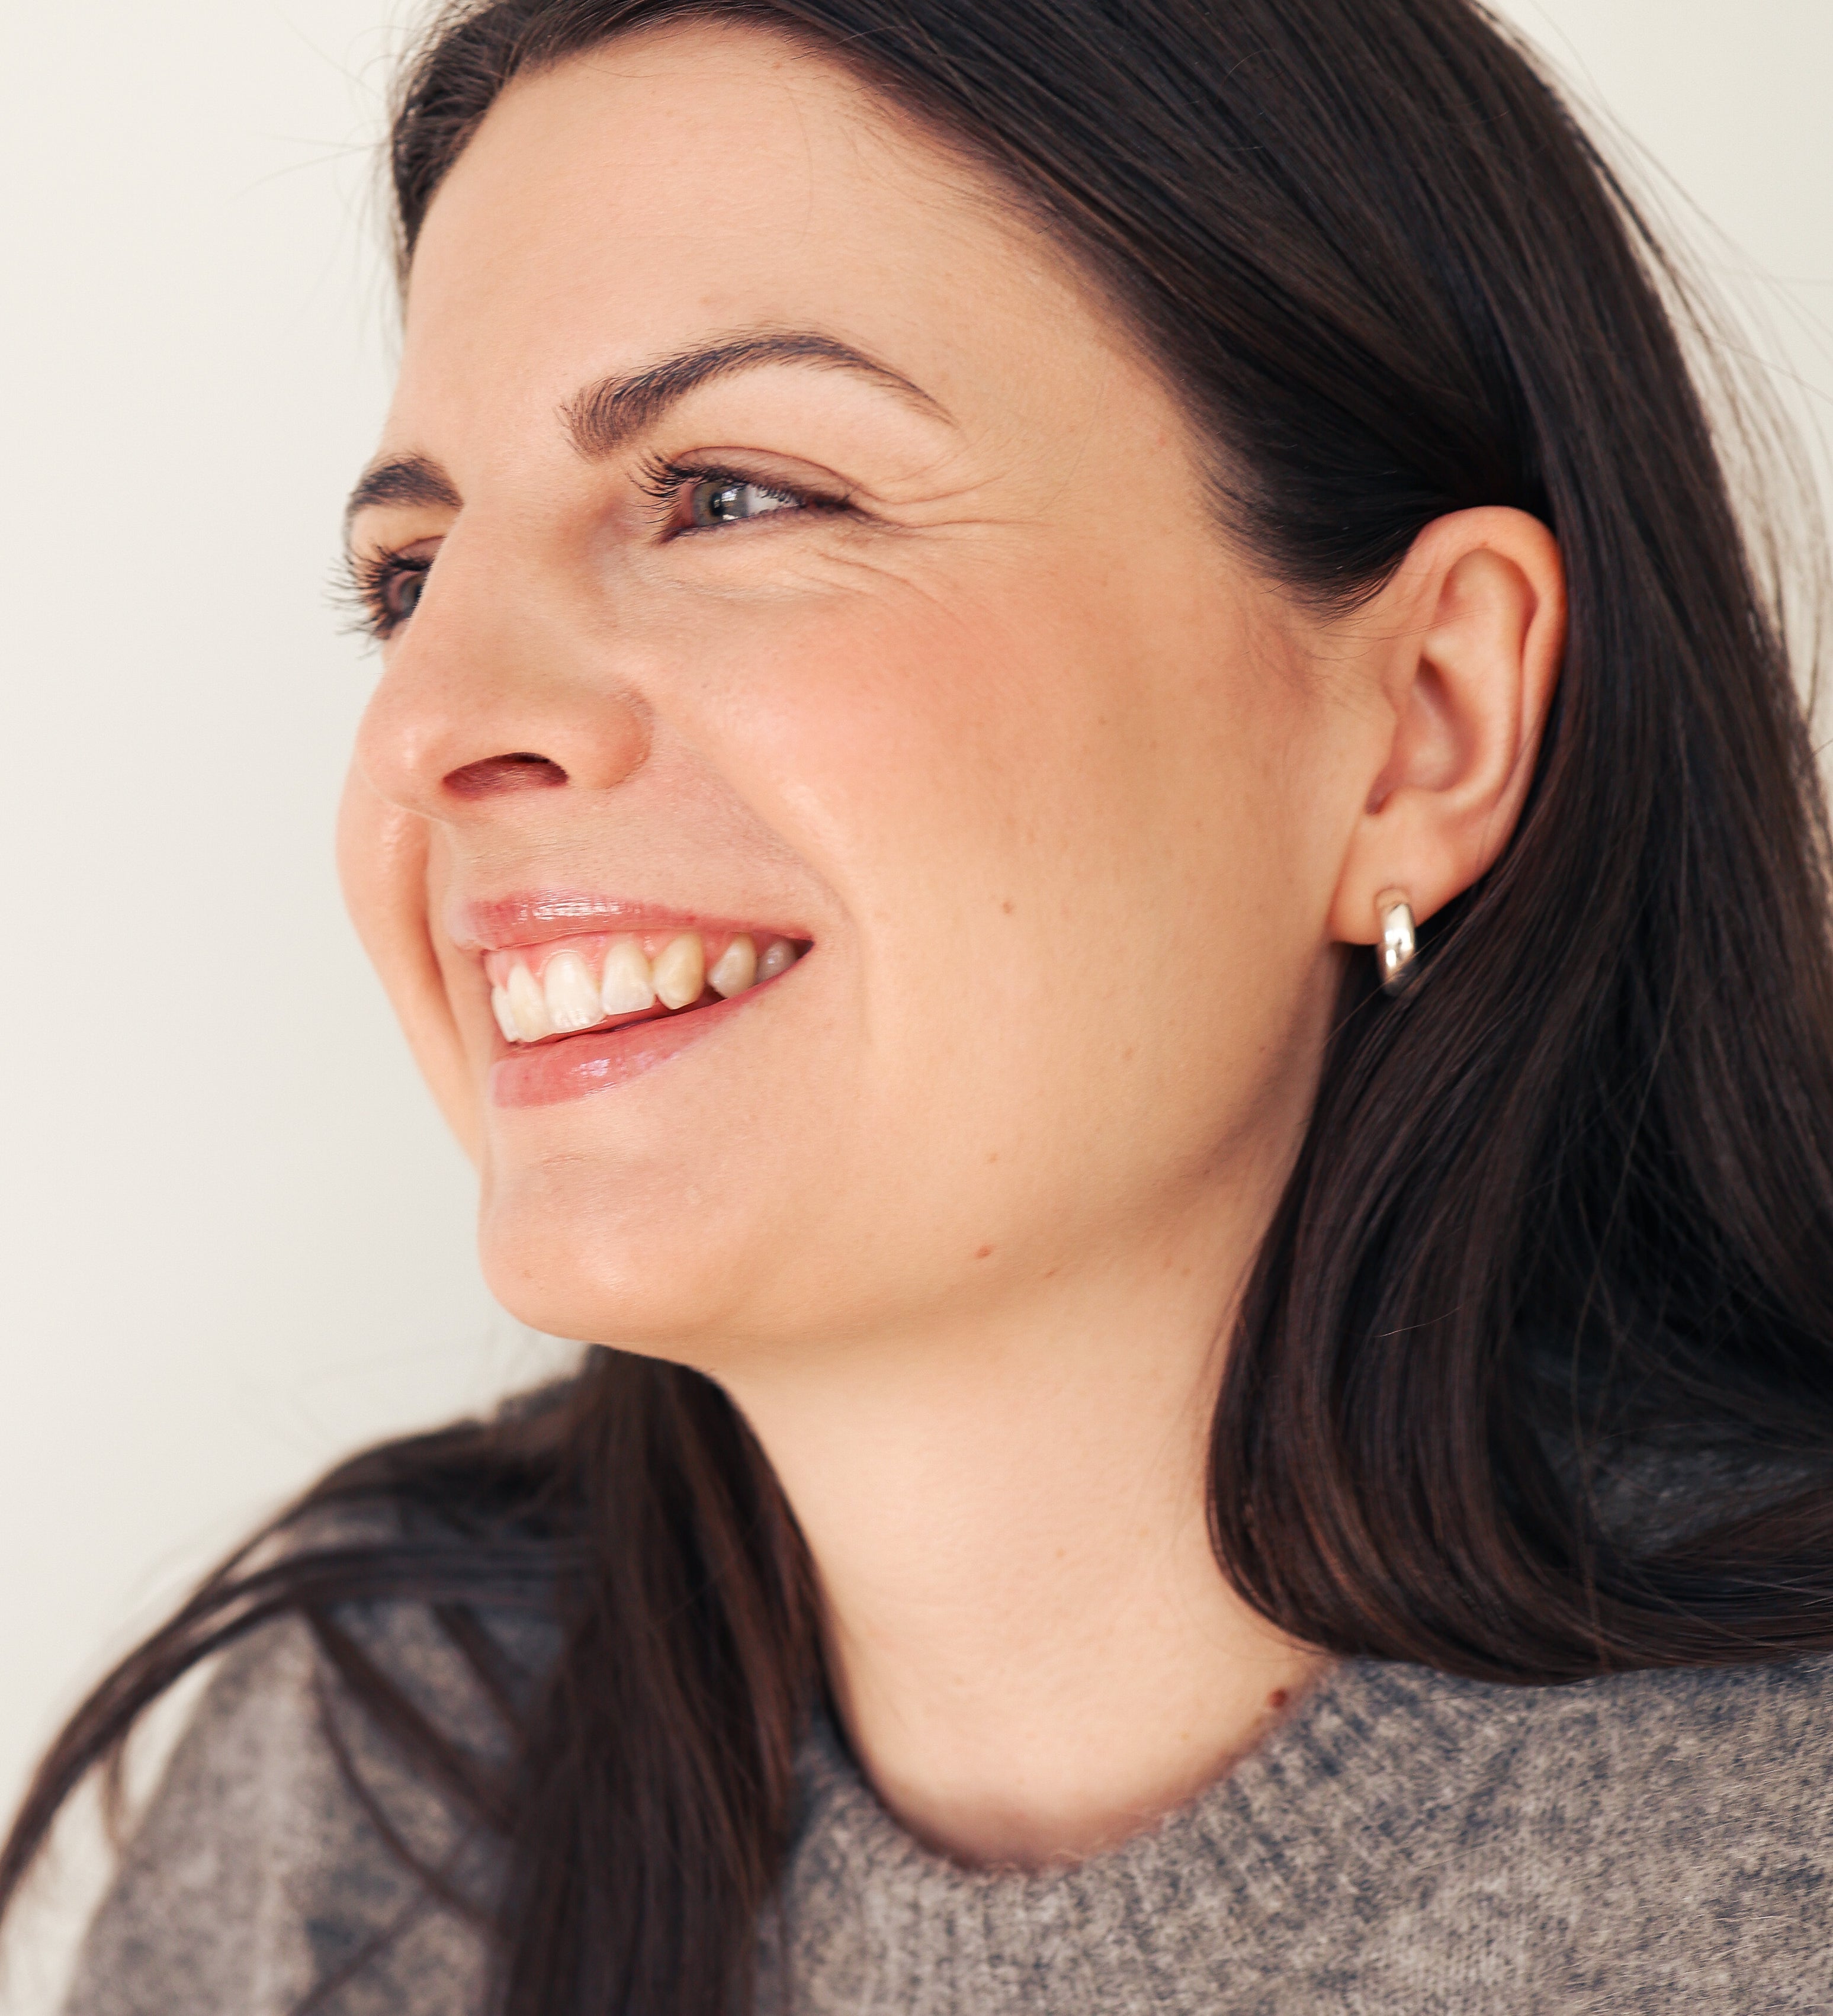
(728,500)
(402,589)
(385,589)
(704,497)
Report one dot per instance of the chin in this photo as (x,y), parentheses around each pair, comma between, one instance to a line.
(603,1257)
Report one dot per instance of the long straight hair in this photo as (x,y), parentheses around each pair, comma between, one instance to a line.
(1556,1260)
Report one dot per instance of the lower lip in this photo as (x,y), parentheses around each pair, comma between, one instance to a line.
(596,1059)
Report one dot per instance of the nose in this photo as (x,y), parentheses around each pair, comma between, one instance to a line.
(489,694)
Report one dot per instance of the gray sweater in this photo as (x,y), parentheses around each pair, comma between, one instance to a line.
(1403,1842)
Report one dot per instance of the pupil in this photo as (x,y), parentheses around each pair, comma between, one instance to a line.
(407,592)
(728,501)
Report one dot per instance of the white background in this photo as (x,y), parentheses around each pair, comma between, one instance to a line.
(234,1241)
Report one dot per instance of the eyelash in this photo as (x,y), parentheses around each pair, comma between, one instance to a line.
(368,579)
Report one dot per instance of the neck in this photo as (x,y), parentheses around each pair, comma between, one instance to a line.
(1034,1651)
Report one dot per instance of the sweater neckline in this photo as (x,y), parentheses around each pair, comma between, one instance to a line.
(1302,1821)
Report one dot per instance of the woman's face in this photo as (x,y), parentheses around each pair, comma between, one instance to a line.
(775,541)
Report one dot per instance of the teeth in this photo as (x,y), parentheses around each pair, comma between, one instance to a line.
(566,998)
(735,969)
(529,1006)
(628,987)
(779,956)
(572,1000)
(681,970)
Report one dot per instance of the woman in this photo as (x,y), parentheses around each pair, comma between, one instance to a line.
(1082,797)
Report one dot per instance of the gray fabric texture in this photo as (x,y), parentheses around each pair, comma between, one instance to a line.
(1403,1842)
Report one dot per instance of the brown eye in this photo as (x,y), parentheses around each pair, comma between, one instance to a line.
(401,592)
(725,500)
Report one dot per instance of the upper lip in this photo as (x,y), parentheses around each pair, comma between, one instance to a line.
(495,923)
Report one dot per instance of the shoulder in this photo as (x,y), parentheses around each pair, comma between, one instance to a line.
(1739,1752)
(277,1854)
(1648,1835)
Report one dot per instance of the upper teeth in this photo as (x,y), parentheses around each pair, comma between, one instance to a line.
(570,995)
(680,970)
(737,966)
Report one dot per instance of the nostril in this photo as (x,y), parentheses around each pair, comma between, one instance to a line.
(520,771)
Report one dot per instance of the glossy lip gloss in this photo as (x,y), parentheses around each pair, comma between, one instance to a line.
(495,923)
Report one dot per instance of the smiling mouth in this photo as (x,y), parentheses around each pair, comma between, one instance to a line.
(539,993)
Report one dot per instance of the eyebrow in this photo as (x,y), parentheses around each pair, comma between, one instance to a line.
(405,479)
(601,418)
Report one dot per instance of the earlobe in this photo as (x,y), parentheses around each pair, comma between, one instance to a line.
(1463,646)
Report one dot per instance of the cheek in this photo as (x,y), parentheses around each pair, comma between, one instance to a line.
(1111,789)
(1075,920)
(1088,911)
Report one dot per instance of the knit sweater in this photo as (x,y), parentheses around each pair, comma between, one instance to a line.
(1403,1842)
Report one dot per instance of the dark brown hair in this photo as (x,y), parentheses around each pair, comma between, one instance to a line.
(1556,1258)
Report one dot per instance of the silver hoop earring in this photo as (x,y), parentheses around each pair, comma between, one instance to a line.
(1399,949)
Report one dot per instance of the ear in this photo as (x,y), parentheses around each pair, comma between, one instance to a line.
(1464,646)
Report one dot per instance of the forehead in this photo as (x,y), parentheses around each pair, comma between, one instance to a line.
(716,176)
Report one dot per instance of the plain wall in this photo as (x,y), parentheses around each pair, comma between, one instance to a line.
(236,1241)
